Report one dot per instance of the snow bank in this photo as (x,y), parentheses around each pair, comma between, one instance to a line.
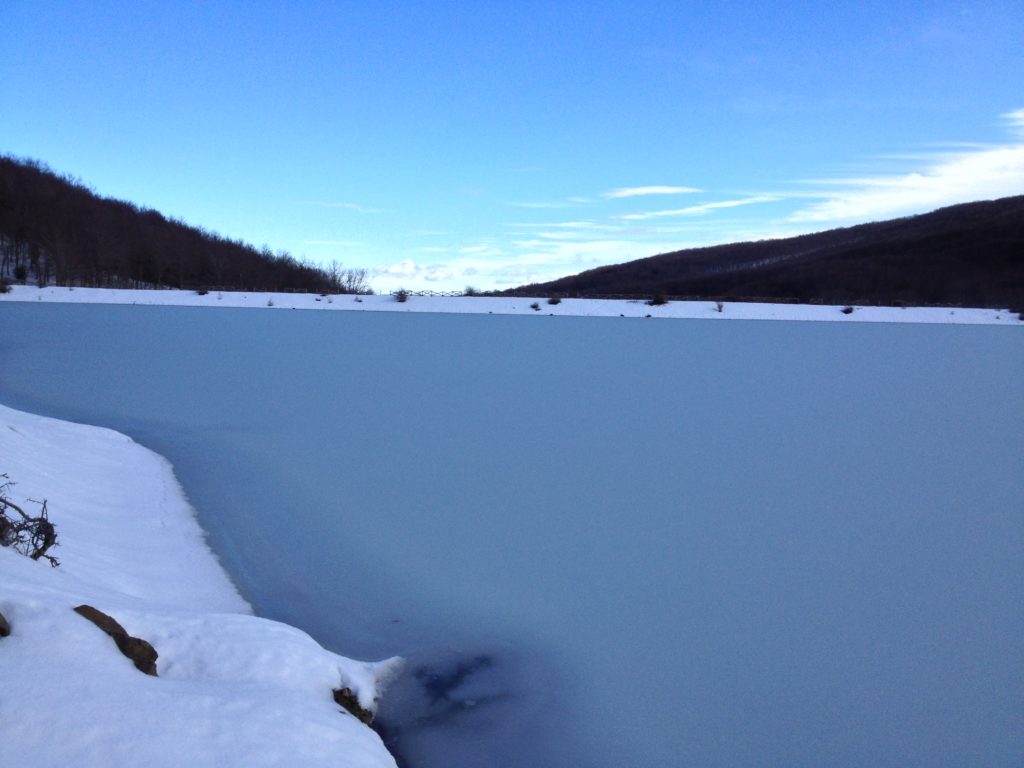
(692,310)
(234,689)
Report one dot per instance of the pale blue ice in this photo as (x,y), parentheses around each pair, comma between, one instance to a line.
(601,542)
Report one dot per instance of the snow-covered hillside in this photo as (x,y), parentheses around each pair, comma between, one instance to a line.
(233,689)
(706,310)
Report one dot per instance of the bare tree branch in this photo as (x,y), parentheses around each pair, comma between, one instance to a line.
(31,536)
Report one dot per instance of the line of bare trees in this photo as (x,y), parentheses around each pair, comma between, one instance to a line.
(55,230)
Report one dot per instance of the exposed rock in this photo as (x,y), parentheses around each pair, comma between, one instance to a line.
(350,702)
(142,654)
(107,623)
(5,628)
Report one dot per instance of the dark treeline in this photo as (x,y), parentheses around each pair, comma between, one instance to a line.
(55,230)
(965,255)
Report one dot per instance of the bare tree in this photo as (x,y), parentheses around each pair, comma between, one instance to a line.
(346,280)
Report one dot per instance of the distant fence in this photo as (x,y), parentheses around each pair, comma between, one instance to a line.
(434,293)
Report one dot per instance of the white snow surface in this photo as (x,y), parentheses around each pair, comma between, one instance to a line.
(233,689)
(694,310)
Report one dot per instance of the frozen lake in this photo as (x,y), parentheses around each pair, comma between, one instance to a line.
(601,542)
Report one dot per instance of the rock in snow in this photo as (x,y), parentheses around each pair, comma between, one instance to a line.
(234,689)
(139,651)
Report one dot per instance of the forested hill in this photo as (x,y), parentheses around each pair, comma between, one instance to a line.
(966,255)
(55,229)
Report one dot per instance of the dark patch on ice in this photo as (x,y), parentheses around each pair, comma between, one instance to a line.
(451,709)
(441,685)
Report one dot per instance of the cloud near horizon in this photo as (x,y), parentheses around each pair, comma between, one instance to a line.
(409,270)
(533,260)
(530,252)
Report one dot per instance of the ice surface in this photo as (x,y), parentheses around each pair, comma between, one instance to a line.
(600,541)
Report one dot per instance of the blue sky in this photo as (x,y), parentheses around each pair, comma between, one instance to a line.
(446,144)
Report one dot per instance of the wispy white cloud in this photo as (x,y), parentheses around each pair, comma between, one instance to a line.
(576,225)
(544,206)
(698,210)
(1015,120)
(481,250)
(967,173)
(644,191)
(560,235)
(345,206)
(568,202)
(982,175)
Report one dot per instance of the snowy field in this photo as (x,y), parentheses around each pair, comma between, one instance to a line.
(233,689)
(598,543)
(518,306)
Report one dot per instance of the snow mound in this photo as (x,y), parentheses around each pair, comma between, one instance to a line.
(233,689)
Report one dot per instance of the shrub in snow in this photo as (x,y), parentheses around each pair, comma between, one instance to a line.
(401,295)
(201,291)
(657,299)
(31,536)
(555,300)
(535,306)
(847,310)
(718,306)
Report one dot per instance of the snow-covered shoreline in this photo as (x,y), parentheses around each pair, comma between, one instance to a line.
(688,310)
(233,689)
